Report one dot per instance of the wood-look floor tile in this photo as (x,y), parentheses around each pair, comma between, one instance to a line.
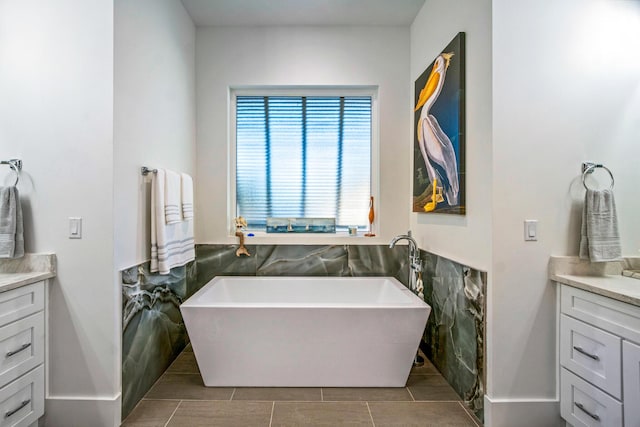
(151,413)
(186,386)
(185,363)
(425,414)
(306,394)
(321,414)
(365,394)
(431,388)
(221,414)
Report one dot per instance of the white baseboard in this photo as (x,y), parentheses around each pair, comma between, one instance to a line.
(522,413)
(65,411)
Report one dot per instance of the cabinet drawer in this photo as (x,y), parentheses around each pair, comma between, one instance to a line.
(21,347)
(22,401)
(583,405)
(591,353)
(21,302)
(615,316)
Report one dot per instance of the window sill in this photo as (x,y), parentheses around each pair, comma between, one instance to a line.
(263,238)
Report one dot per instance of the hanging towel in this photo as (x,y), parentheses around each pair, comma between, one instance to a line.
(600,240)
(187,196)
(172,197)
(172,245)
(11,225)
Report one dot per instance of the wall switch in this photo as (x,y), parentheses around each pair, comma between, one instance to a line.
(75,227)
(531,230)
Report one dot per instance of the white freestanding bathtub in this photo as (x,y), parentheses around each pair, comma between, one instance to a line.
(305,331)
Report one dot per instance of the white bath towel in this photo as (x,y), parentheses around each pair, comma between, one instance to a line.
(172,245)
(172,197)
(11,225)
(599,238)
(187,196)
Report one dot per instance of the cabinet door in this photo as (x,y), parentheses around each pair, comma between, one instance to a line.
(631,380)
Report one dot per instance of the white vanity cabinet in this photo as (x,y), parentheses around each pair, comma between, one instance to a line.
(599,348)
(631,357)
(22,342)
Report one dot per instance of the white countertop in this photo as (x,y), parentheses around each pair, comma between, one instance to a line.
(10,281)
(28,269)
(618,287)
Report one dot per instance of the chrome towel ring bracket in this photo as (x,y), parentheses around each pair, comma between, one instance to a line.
(15,165)
(589,167)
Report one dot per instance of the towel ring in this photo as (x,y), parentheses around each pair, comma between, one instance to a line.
(16,166)
(589,168)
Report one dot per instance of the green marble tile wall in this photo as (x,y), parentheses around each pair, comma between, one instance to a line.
(154,332)
(454,336)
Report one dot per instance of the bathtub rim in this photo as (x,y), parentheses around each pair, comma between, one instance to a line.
(414,300)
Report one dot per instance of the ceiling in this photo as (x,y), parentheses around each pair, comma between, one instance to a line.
(302,12)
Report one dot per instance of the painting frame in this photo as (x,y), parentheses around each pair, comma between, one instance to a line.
(439,133)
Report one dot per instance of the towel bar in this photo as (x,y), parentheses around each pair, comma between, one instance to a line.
(15,165)
(590,167)
(146,171)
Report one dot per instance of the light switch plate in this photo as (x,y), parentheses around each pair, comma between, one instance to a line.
(531,230)
(75,227)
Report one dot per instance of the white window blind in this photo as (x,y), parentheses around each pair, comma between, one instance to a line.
(303,157)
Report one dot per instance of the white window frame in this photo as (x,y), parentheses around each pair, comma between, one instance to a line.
(263,236)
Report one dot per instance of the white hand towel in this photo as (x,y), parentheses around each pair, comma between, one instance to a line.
(11,224)
(600,240)
(187,196)
(172,197)
(172,245)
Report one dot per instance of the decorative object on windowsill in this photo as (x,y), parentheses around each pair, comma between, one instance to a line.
(439,138)
(301,225)
(372,216)
(241,223)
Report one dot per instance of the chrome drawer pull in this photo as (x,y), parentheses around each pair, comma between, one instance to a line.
(22,405)
(583,409)
(589,355)
(24,347)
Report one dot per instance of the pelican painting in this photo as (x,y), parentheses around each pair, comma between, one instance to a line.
(439,137)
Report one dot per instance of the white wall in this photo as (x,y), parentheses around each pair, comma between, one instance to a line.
(154,112)
(566,88)
(57,115)
(558,84)
(228,56)
(56,101)
(465,239)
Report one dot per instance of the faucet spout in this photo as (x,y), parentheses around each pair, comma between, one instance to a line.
(413,246)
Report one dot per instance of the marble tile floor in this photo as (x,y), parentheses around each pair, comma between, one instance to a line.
(179,399)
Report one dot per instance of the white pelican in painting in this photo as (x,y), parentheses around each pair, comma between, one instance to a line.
(435,145)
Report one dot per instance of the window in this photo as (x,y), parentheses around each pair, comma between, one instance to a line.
(303,156)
